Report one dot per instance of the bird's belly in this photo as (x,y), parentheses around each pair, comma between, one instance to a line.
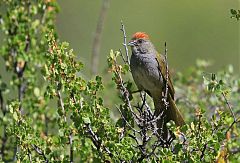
(146,73)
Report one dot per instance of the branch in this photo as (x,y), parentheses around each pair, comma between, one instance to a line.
(203,151)
(61,104)
(123,58)
(229,106)
(96,141)
(4,136)
(40,152)
(71,147)
(29,155)
(125,93)
(167,76)
(97,37)
(127,121)
(125,45)
(144,103)
(231,110)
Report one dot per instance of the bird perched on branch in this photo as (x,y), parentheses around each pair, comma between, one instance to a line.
(149,72)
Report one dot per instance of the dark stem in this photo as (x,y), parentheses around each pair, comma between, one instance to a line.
(4,136)
(40,152)
(231,110)
(46,124)
(96,141)
(125,120)
(21,89)
(71,148)
(29,155)
(229,106)
(203,151)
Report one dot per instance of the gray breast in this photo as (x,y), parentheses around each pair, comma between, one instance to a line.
(145,72)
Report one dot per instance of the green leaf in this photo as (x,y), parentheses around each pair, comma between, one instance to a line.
(36,91)
(234,12)
(15,116)
(125,68)
(86,120)
(112,55)
(99,79)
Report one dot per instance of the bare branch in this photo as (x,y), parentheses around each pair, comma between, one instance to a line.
(97,37)
(126,120)
(123,58)
(229,106)
(167,76)
(231,110)
(144,103)
(125,44)
(125,94)
(61,104)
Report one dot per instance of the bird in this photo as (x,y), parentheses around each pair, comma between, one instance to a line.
(149,72)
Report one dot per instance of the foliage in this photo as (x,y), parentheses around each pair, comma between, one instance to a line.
(23,107)
(50,113)
(235,14)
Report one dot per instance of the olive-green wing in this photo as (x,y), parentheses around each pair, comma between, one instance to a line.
(163,69)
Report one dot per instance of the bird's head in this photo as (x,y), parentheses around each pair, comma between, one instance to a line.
(140,43)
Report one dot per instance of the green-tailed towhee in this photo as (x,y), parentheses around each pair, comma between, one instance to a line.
(149,71)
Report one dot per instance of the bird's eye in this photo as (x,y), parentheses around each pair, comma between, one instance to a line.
(140,41)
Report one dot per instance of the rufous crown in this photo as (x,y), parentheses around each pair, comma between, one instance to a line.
(139,35)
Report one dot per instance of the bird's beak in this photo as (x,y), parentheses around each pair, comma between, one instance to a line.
(132,43)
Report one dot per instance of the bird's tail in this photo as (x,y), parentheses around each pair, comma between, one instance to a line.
(172,113)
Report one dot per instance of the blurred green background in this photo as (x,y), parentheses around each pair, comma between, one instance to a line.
(192,29)
(199,29)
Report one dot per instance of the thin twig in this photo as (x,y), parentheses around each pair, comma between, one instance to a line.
(123,58)
(229,106)
(144,102)
(126,120)
(96,141)
(62,105)
(144,135)
(29,155)
(71,147)
(125,94)
(40,152)
(203,151)
(167,73)
(125,42)
(231,110)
